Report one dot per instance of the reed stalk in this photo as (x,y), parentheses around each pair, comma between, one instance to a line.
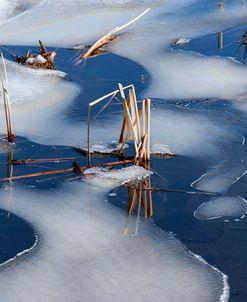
(106,39)
(6,101)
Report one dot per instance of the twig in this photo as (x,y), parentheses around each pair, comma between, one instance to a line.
(178,191)
(45,160)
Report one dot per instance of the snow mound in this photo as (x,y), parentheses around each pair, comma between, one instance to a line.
(161,150)
(108,148)
(106,177)
(182,41)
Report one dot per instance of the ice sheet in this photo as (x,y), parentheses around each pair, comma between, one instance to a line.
(11,8)
(227,206)
(161,149)
(82,255)
(181,75)
(38,97)
(187,133)
(228,171)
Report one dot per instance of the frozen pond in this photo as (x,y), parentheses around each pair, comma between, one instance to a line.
(74,240)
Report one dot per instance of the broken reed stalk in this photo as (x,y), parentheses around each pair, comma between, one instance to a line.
(106,105)
(106,39)
(52,172)
(42,48)
(148,129)
(121,138)
(43,160)
(166,190)
(6,101)
(88,135)
(128,118)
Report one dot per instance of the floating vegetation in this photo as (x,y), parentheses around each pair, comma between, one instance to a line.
(44,59)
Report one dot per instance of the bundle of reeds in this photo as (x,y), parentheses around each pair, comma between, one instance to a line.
(135,125)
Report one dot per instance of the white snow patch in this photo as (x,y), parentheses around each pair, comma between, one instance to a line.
(119,177)
(30,60)
(113,194)
(231,168)
(182,41)
(160,149)
(186,133)
(38,97)
(40,59)
(107,148)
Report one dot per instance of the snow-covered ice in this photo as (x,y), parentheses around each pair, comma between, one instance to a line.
(226,206)
(108,178)
(78,233)
(82,255)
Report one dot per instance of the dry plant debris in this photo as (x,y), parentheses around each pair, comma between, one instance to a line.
(44,59)
(135,125)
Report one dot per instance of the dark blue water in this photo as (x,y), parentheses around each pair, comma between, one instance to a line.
(15,236)
(208,45)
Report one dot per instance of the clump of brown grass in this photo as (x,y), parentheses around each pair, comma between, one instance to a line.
(44,59)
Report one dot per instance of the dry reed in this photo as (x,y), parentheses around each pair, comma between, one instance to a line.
(6,101)
(96,48)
